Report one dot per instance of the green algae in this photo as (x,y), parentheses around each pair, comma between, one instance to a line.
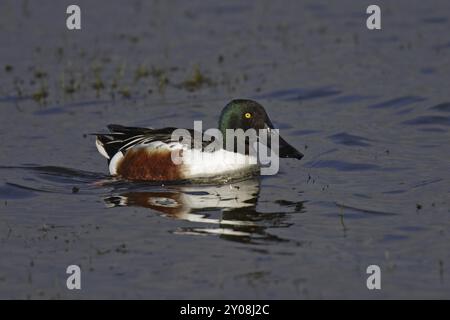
(196,81)
(40,95)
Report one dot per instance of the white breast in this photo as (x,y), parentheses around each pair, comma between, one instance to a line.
(200,164)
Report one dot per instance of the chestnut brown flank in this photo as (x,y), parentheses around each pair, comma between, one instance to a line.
(156,165)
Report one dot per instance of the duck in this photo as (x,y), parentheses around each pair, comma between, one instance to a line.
(148,154)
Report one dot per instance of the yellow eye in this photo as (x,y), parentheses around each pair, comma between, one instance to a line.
(248,115)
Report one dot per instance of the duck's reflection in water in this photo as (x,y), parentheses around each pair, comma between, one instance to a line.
(226,210)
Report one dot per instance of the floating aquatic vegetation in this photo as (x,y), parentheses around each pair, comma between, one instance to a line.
(120,70)
(71,87)
(131,38)
(157,72)
(114,84)
(196,81)
(98,84)
(125,92)
(40,95)
(163,81)
(141,72)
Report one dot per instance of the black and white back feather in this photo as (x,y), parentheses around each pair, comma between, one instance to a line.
(121,138)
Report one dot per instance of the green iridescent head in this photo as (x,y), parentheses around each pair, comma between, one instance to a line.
(248,114)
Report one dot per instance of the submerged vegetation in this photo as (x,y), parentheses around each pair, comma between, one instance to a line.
(98,84)
(141,72)
(71,86)
(125,92)
(106,75)
(196,81)
(40,95)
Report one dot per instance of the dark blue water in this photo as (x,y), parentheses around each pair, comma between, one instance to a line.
(369,109)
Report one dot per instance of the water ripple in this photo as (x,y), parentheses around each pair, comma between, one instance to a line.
(427,120)
(300,94)
(349,139)
(444,107)
(397,102)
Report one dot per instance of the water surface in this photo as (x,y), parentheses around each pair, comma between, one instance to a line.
(370,111)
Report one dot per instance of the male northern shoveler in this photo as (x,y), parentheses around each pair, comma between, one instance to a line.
(147,154)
